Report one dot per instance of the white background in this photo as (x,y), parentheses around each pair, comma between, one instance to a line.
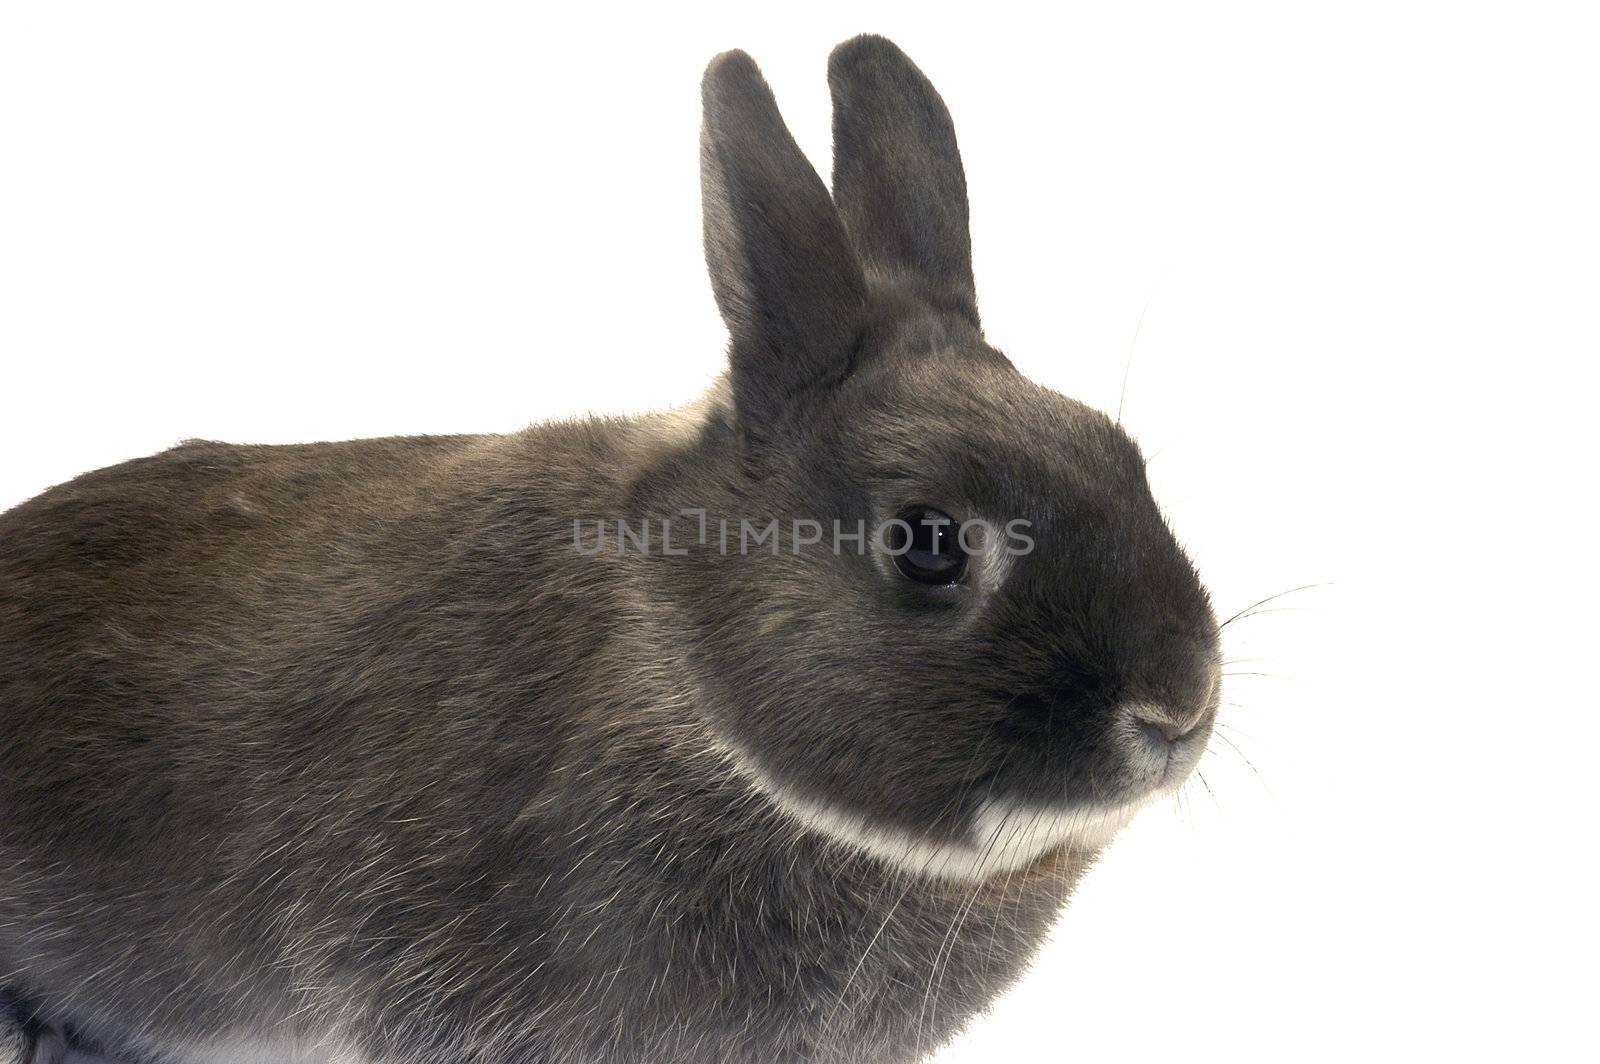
(1346,257)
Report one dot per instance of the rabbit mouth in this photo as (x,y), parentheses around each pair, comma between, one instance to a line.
(1158,751)
(1161,747)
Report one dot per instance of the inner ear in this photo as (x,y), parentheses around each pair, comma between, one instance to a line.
(785,277)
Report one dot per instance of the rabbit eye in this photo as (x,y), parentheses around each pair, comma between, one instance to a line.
(927,548)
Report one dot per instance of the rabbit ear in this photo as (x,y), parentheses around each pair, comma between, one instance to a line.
(786,281)
(897,175)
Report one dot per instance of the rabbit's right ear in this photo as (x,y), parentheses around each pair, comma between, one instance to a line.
(786,280)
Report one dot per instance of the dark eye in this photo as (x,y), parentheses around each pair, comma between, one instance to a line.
(930,552)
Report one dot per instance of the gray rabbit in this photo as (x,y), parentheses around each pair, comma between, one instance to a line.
(518,749)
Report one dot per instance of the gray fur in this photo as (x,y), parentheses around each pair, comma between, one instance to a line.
(344,748)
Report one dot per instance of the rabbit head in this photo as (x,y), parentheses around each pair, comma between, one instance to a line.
(975,638)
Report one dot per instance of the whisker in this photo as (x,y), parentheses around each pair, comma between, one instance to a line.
(1201,776)
(1270,598)
(1235,748)
(1133,345)
(1262,611)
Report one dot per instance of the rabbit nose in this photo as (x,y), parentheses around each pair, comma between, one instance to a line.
(1163,744)
(1163,728)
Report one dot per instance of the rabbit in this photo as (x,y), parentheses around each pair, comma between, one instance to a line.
(778,729)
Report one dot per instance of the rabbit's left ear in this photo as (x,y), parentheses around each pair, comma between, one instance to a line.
(897,175)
